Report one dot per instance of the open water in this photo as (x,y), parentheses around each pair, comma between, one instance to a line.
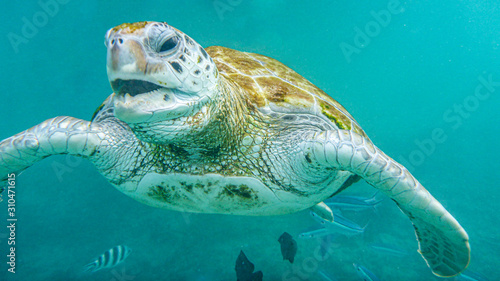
(401,77)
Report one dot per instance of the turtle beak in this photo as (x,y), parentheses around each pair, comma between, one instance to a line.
(125,59)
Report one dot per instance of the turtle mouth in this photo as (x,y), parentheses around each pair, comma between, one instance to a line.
(133,87)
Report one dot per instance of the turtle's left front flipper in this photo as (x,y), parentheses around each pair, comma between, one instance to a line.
(443,243)
(59,135)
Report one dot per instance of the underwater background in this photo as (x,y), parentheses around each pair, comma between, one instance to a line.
(402,79)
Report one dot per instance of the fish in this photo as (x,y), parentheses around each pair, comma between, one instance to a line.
(389,250)
(323,211)
(288,246)
(244,269)
(257,276)
(340,225)
(470,276)
(316,233)
(109,259)
(364,273)
(491,240)
(325,276)
(324,236)
(353,203)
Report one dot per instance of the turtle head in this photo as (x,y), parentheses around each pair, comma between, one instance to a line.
(160,77)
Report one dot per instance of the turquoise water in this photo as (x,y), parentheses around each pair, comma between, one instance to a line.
(405,81)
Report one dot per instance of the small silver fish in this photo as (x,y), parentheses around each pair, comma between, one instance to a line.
(364,273)
(389,250)
(353,203)
(109,259)
(470,276)
(326,276)
(317,233)
(340,225)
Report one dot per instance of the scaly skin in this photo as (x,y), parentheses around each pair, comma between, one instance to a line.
(108,144)
(60,135)
(236,142)
(123,160)
(443,243)
(255,138)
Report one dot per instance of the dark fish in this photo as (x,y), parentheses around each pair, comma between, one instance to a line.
(244,269)
(288,246)
(110,258)
(257,276)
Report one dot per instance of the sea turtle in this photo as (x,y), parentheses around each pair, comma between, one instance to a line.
(217,130)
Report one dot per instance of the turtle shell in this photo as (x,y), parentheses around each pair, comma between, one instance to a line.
(270,83)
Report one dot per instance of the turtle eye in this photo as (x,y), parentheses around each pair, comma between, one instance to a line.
(168,45)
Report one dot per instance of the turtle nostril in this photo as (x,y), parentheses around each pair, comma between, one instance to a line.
(118,41)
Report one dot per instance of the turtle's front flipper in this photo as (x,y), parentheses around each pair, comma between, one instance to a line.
(443,243)
(60,135)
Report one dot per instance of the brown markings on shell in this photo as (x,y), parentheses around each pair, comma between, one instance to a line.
(168,193)
(280,85)
(130,27)
(224,68)
(285,94)
(236,60)
(241,191)
(251,88)
(163,193)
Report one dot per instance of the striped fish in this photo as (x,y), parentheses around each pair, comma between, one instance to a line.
(109,259)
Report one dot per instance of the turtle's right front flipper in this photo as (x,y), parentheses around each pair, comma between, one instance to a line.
(60,135)
(443,243)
